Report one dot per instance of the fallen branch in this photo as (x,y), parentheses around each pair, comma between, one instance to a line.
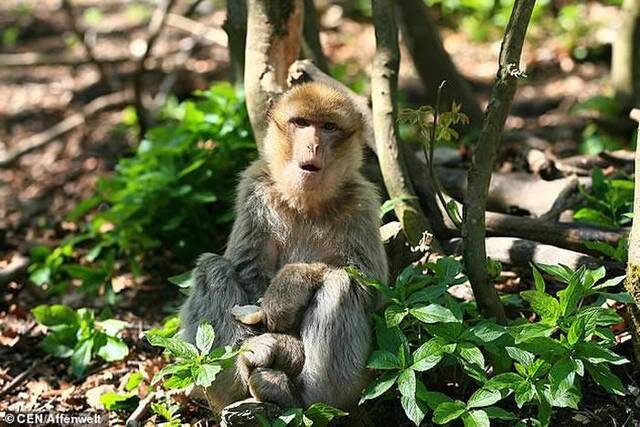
(522,252)
(143,407)
(40,140)
(16,267)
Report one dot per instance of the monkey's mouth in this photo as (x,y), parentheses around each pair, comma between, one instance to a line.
(310,167)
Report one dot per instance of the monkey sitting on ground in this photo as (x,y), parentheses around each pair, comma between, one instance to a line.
(303,213)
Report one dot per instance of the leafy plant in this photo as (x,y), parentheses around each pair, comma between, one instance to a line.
(199,364)
(540,363)
(619,253)
(609,203)
(169,411)
(177,187)
(76,334)
(317,415)
(125,400)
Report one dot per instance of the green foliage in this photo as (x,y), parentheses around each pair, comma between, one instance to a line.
(199,364)
(126,400)
(170,412)
(541,364)
(317,415)
(173,194)
(597,110)
(76,334)
(609,203)
(618,253)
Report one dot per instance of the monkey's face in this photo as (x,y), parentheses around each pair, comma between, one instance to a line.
(314,140)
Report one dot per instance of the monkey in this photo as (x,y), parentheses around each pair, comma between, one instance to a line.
(304,212)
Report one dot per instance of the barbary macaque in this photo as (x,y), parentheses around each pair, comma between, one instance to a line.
(303,213)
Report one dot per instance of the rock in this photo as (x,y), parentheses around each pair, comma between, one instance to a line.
(244,413)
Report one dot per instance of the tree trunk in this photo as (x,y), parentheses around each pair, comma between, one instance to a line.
(625,61)
(632,282)
(311,47)
(273,43)
(432,62)
(236,27)
(483,159)
(384,81)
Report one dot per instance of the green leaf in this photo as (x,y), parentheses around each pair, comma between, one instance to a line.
(54,315)
(610,283)
(602,375)
(184,280)
(495,412)
(519,355)
(427,355)
(476,418)
(206,374)
(113,401)
(558,271)
(524,392)
(58,345)
(576,331)
(389,339)
(360,278)
(505,381)
(564,397)
(133,381)
(546,306)
(175,346)
(378,386)
(433,313)
(112,326)
(562,374)
(448,411)
(383,360)
(471,354)
(571,295)
(113,349)
(529,331)
(322,414)
(414,409)
(594,353)
(81,357)
(538,279)
(204,338)
(487,331)
(394,314)
(483,397)
(407,383)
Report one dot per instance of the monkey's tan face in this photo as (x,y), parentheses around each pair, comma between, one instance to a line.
(314,142)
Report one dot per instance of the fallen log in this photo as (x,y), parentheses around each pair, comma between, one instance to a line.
(522,252)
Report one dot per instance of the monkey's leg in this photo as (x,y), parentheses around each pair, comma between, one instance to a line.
(215,291)
(336,336)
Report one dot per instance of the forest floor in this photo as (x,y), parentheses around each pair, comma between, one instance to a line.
(41,187)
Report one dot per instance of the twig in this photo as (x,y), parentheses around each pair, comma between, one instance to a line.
(311,47)
(16,267)
(73,22)
(155,27)
(22,376)
(483,159)
(384,81)
(141,410)
(40,140)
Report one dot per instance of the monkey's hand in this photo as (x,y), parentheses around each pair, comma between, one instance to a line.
(279,352)
(289,293)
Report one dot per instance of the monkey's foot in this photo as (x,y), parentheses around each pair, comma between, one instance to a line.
(246,413)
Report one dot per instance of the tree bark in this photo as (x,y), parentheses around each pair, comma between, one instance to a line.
(625,60)
(273,43)
(311,47)
(632,282)
(483,159)
(384,81)
(236,27)
(432,62)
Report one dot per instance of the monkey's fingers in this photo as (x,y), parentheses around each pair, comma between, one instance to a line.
(269,385)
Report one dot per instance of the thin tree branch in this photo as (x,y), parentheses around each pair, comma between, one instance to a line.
(311,47)
(384,83)
(75,27)
(236,27)
(483,159)
(155,27)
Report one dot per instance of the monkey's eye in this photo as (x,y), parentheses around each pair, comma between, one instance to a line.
(330,126)
(300,122)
